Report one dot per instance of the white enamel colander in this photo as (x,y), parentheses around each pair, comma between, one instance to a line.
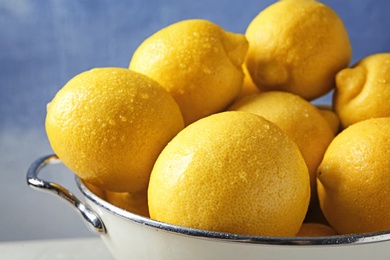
(130,236)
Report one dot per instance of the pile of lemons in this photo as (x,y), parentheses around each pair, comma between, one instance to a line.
(216,130)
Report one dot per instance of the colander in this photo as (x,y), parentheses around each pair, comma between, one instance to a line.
(130,236)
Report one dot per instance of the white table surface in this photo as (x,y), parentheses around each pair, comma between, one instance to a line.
(67,249)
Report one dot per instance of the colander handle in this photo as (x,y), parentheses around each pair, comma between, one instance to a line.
(92,219)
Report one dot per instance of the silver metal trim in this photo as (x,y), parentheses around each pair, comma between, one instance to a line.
(92,219)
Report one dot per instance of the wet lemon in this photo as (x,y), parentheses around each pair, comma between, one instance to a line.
(363,91)
(108,125)
(198,62)
(232,172)
(353,183)
(297,46)
(298,118)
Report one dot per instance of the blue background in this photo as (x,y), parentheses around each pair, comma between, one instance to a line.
(44,43)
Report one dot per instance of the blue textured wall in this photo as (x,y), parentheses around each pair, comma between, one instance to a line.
(44,43)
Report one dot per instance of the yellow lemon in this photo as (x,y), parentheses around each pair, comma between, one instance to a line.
(134,202)
(248,86)
(331,117)
(298,118)
(363,91)
(108,125)
(232,172)
(95,190)
(297,46)
(198,62)
(316,230)
(353,178)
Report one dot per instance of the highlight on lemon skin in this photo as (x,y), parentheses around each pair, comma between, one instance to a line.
(105,125)
(297,46)
(198,62)
(231,172)
(363,91)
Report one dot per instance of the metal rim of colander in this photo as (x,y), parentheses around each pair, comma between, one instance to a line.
(234,238)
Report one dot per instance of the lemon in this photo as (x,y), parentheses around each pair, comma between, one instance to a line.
(198,62)
(363,91)
(353,178)
(248,86)
(95,190)
(232,172)
(297,46)
(134,202)
(298,118)
(316,230)
(108,125)
(331,117)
